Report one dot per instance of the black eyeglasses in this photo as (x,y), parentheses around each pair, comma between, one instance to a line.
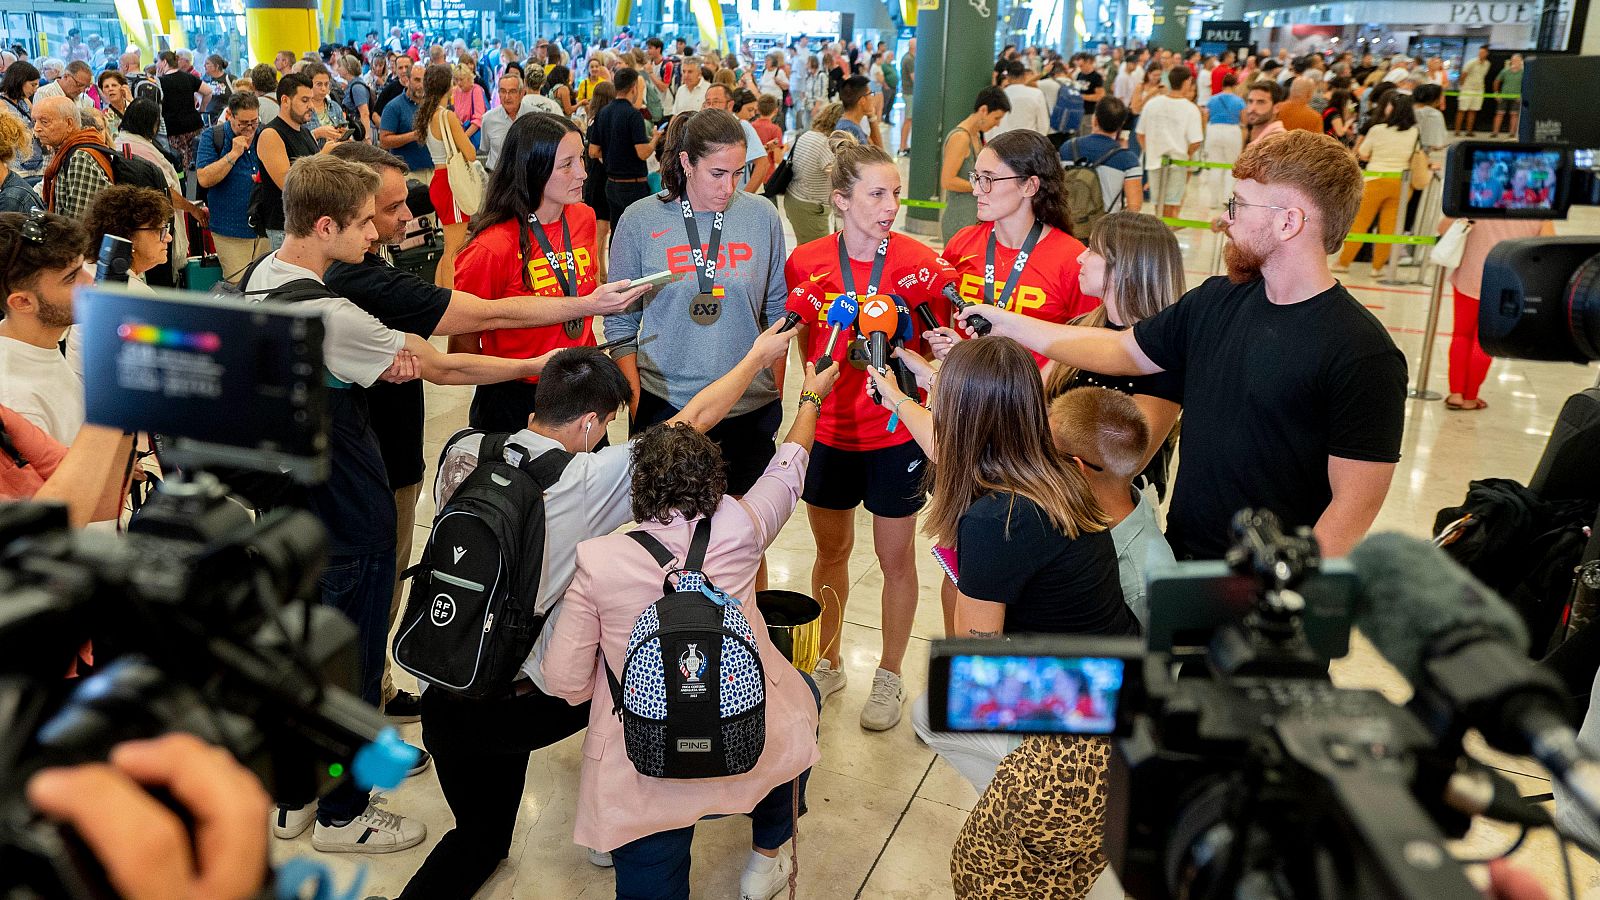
(1091,465)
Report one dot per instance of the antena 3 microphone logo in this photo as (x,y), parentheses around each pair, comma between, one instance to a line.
(876,306)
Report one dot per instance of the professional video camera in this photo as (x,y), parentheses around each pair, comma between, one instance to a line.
(200,619)
(1245,771)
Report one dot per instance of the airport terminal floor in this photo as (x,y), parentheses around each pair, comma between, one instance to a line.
(883,809)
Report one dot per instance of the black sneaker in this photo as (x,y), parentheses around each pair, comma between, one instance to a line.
(404,707)
(421,765)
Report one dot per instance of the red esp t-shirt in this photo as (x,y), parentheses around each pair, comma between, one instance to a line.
(850,420)
(1046,289)
(491,266)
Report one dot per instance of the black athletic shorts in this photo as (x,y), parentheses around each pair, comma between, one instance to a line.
(888,481)
(746,439)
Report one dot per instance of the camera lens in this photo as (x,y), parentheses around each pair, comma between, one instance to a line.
(1583,307)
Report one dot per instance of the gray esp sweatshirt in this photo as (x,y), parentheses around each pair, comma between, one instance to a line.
(678,356)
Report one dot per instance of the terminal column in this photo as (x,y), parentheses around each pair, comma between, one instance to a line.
(274,25)
(955,60)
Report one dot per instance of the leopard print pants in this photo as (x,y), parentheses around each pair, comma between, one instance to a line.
(1036,832)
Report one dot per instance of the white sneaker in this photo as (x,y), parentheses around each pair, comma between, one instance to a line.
(765,878)
(882,711)
(828,679)
(601,858)
(374,831)
(289,822)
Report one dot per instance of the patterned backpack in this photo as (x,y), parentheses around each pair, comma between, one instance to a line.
(692,698)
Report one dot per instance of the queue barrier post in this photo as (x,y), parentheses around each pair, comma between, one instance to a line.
(1161,184)
(1425,365)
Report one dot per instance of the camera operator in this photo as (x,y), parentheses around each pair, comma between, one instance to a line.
(147,851)
(44,263)
(1293,393)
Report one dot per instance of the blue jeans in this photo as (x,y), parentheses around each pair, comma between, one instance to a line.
(656,866)
(361,588)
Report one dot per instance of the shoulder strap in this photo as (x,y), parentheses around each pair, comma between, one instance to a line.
(294,291)
(9,448)
(547,468)
(493,446)
(454,439)
(657,550)
(1108,154)
(698,545)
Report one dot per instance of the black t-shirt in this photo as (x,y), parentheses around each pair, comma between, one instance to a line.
(617,130)
(1007,551)
(404,302)
(1087,83)
(266,203)
(352,504)
(391,89)
(1269,393)
(177,102)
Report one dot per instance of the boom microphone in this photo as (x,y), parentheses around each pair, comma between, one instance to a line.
(841,315)
(878,320)
(1464,650)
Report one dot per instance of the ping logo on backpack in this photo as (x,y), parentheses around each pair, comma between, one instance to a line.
(471,618)
(693,694)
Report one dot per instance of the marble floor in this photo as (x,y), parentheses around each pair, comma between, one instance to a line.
(884,809)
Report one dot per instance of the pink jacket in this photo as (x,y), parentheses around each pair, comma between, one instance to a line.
(616,580)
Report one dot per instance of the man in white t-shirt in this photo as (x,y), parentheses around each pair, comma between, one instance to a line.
(1170,126)
(45,263)
(1028,109)
(691,94)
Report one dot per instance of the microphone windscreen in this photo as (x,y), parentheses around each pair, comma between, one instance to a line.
(842,313)
(878,315)
(1412,593)
(808,294)
(907,326)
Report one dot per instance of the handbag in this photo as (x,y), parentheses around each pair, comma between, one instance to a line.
(1421,170)
(778,181)
(466,178)
(1447,251)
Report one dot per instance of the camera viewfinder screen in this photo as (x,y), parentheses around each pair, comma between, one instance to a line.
(1033,694)
(1513,179)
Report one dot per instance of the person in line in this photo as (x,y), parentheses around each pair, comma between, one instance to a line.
(15,193)
(623,141)
(961,148)
(691,93)
(1338,118)
(398,130)
(1386,149)
(1170,128)
(281,141)
(680,483)
(138,139)
(324,113)
(483,746)
(1033,549)
(1090,83)
(1473,76)
(1469,365)
(1120,172)
(727,248)
(434,127)
(75,173)
(183,95)
(329,208)
(506,257)
(746,107)
(1509,81)
(1261,110)
(858,460)
(228,173)
(1306,422)
(806,202)
(1296,112)
(908,71)
(358,97)
(44,264)
(858,119)
(468,102)
(1104,433)
(142,217)
(514,103)
(114,97)
(594,188)
(755,155)
(1028,107)
(73,84)
(19,85)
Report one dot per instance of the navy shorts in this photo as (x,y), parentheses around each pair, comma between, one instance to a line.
(888,481)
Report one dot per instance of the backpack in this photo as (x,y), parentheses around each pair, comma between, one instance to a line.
(1068,112)
(352,110)
(470,619)
(1086,200)
(125,168)
(143,87)
(689,650)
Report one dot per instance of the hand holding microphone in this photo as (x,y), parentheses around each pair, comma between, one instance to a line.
(940,279)
(772,344)
(841,315)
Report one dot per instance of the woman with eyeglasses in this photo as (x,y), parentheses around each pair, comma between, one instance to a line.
(139,215)
(137,137)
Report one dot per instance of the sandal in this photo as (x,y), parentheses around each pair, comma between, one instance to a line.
(1467,405)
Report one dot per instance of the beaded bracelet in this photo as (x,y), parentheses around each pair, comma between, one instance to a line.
(812,397)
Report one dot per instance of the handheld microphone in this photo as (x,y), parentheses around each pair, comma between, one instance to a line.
(1465,652)
(878,321)
(841,315)
(791,321)
(906,334)
(940,278)
(115,260)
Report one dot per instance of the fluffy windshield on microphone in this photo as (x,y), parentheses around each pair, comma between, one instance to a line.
(1412,594)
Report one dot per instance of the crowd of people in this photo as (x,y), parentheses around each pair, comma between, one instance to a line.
(1038,458)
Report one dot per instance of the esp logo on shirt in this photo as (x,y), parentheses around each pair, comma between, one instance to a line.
(1026,296)
(681,260)
(543,278)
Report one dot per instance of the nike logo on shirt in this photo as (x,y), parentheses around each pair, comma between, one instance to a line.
(656,235)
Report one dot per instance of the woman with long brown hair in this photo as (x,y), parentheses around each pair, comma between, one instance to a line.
(436,124)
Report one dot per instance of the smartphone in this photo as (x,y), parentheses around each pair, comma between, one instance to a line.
(609,344)
(1056,684)
(656,280)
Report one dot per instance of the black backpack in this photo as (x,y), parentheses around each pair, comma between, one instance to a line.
(352,110)
(692,697)
(125,168)
(469,622)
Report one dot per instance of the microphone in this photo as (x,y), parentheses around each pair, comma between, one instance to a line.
(906,334)
(1464,650)
(920,277)
(940,278)
(115,260)
(791,321)
(878,321)
(841,315)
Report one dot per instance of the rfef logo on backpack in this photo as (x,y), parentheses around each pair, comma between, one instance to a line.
(444,610)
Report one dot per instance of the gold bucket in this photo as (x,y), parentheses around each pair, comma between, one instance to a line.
(794,622)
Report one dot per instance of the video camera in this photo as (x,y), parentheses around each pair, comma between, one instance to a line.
(1243,771)
(201,619)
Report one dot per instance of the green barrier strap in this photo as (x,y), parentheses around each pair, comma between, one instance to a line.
(1371,174)
(1486,96)
(1197,164)
(1420,239)
(923,204)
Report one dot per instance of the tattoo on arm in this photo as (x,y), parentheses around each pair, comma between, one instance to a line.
(983,634)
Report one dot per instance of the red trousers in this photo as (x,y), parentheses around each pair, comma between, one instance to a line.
(1469,365)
